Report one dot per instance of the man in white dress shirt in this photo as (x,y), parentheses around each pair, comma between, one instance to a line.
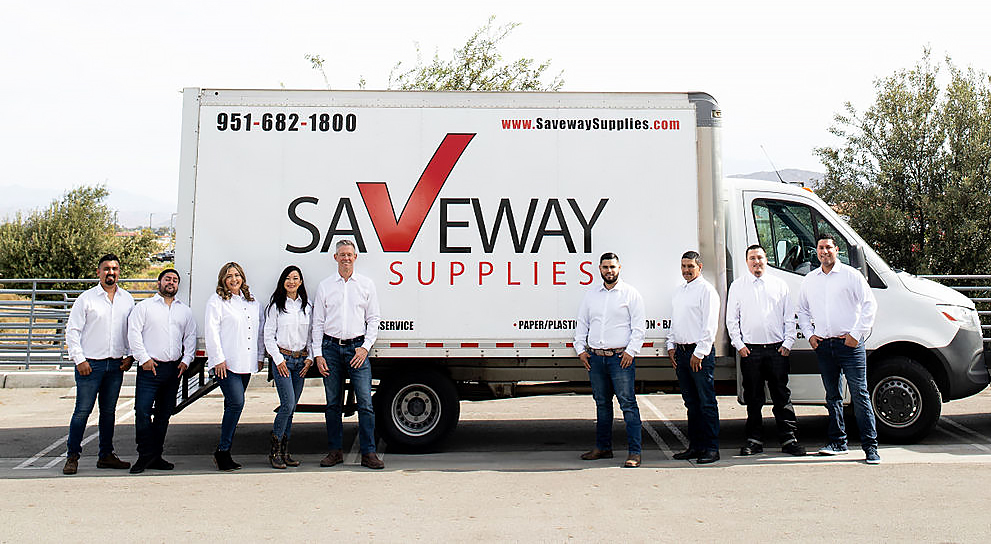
(162,334)
(760,320)
(345,324)
(836,313)
(96,339)
(609,334)
(695,316)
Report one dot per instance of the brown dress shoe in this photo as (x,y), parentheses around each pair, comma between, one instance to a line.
(112,461)
(596,453)
(335,457)
(371,460)
(71,464)
(632,461)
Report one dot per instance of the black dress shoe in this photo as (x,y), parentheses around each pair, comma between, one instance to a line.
(707,457)
(794,448)
(687,454)
(141,464)
(161,464)
(752,448)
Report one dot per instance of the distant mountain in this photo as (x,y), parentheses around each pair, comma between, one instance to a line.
(807,177)
(133,210)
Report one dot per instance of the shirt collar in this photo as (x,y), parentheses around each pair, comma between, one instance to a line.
(619,283)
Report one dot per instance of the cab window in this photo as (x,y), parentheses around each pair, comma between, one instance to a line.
(788,231)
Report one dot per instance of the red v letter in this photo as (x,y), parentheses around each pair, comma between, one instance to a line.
(399,235)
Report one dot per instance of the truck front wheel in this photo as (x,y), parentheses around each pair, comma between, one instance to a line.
(415,411)
(906,400)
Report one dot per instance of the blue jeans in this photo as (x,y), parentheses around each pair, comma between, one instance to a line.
(835,357)
(289,390)
(608,378)
(103,382)
(233,387)
(338,357)
(698,389)
(154,401)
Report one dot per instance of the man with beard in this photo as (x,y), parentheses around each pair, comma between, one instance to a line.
(162,334)
(96,339)
(609,334)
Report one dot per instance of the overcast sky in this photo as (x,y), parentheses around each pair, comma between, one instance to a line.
(91,89)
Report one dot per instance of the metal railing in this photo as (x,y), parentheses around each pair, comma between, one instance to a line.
(33,314)
(976,287)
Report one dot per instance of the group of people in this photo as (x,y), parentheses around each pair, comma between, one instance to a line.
(835,311)
(106,332)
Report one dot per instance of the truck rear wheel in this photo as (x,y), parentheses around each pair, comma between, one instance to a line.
(906,401)
(416,411)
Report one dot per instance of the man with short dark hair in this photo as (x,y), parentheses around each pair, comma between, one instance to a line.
(96,339)
(760,321)
(609,334)
(162,334)
(695,316)
(836,313)
(345,324)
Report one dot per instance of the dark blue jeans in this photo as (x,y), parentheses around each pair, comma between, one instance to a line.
(698,389)
(608,378)
(104,383)
(835,358)
(233,387)
(289,390)
(338,357)
(154,401)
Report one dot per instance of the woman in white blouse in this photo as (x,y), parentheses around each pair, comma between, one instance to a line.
(232,346)
(287,338)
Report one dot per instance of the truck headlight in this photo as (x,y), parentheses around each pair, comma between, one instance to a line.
(965,318)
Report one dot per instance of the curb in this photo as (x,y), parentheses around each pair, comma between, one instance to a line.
(67,378)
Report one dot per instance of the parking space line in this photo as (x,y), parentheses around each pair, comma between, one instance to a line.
(965,429)
(962,438)
(355,454)
(27,464)
(657,438)
(667,422)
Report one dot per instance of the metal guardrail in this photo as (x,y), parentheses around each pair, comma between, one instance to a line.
(976,287)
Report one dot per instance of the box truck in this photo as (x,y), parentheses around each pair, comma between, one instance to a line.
(481,217)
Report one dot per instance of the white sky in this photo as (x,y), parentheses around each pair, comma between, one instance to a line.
(91,90)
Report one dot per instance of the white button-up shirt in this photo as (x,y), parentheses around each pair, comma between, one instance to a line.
(611,318)
(97,327)
(760,311)
(163,332)
(837,303)
(289,330)
(695,316)
(345,310)
(232,333)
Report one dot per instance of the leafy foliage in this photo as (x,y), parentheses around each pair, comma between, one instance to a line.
(476,66)
(913,170)
(68,238)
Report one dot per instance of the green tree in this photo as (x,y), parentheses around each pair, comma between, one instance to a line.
(67,239)
(912,172)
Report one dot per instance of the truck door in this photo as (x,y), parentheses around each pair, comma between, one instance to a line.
(787,227)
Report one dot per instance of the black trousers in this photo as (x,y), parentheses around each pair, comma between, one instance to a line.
(766,364)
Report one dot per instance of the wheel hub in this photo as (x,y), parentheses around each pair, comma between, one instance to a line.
(416,409)
(897,401)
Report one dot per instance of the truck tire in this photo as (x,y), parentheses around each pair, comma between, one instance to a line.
(906,400)
(416,411)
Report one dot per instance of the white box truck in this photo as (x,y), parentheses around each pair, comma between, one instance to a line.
(481,217)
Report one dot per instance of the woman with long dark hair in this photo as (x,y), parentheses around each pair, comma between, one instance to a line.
(287,339)
(232,341)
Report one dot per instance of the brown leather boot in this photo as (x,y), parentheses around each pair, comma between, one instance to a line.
(275,454)
(371,460)
(335,457)
(71,464)
(112,461)
(284,451)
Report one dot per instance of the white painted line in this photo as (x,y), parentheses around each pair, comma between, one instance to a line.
(963,439)
(94,417)
(355,454)
(667,422)
(657,438)
(380,450)
(961,427)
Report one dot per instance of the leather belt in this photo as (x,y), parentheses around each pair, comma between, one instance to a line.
(606,352)
(349,342)
(686,347)
(773,345)
(289,353)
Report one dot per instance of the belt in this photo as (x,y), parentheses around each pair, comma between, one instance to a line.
(348,342)
(167,362)
(290,353)
(686,347)
(773,345)
(606,352)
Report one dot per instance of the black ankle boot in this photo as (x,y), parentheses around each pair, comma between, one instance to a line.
(284,450)
(223,461)
(275,454)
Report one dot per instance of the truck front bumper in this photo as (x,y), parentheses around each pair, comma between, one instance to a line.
(966,362)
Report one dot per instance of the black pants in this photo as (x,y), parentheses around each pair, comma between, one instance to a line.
(766,364)
(154,401)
